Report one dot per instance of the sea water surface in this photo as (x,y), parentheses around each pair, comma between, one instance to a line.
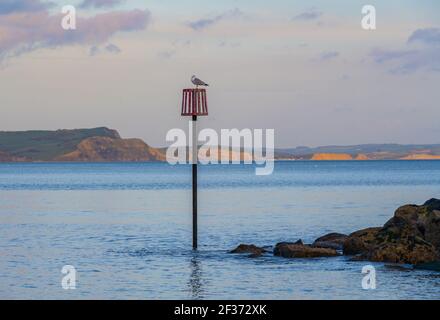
(126,228)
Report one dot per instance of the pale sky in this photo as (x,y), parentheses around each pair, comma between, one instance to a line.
(305,68)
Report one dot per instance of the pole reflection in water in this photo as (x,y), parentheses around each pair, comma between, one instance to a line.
(195,283)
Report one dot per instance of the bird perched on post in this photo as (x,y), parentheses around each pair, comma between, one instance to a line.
(198,82)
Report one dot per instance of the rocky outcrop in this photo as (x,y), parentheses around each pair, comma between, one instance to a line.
(412,236)
(287,250)
(253,250)
(362,157)
(109,149)
(96,144)
(360,241)
(300,250)
(409,250)
(330,241)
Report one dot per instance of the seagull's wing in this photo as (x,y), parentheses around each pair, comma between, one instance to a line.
(199,82)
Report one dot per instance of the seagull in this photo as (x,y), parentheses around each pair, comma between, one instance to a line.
(198,82)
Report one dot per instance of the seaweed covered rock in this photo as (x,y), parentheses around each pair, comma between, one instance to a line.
(412,236)
(299,250)
(360,241)
(411,251)
(330,241)
(253,250)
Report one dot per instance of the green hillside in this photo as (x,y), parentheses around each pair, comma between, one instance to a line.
(47,145)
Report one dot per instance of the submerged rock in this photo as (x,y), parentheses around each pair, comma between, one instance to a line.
(299,250)
(330,241)
(249,248)
(412,236)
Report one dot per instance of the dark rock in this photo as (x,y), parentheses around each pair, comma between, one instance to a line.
(360,241)
(418,221)
(358,258)
(333,237)
(252,249)
(327,244)
(293,250)
(284,243)
(330,241)
(433,204)
(298,242)
(412,236)
(408,251)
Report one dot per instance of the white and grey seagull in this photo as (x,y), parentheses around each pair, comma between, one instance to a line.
(198,82)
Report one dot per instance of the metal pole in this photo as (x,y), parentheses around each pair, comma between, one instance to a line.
(194,176)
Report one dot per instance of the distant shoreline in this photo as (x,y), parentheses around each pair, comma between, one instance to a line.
(106,145)
(165,162)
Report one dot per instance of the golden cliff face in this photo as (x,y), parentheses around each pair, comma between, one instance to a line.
(108,149)
(338,156)
(223,154)
(331,156)
(421,156)
(362,157)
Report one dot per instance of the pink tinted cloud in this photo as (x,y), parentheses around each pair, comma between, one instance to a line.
(100,3)
(23,32)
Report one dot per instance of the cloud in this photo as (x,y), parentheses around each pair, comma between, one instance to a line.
(381,56)
(167,54)
(181,43)
(13,6)
(411,59)
(94,51)
(429,36)
(110,48)
(201,24)
(100,3)
(24,32)
(328,55)
(227,44)
(408,61)
(311,14)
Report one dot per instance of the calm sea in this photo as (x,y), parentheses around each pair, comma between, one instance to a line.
(126,228)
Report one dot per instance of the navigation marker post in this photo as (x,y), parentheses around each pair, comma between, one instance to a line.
(194,103)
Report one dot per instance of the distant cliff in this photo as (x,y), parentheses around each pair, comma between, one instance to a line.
(109,149)
(338,156)
(362,152)
(421,156)
(98,144)
(331,156)
(104,144)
